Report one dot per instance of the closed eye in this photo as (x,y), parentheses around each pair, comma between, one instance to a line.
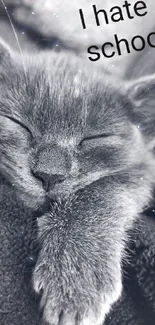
(19,123)
(95,137)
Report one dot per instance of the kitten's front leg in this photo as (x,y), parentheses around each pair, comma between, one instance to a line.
(78,271)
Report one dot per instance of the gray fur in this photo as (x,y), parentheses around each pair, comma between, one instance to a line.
(106,180)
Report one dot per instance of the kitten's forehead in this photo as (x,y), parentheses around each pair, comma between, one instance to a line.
(63,95)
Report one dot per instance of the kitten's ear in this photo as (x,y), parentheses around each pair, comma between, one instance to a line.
(5,54)
(142,95)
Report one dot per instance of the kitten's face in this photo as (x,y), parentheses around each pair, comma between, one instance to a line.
(62,129)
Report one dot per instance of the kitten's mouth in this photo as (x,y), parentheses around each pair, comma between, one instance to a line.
(61,192)
(69,187)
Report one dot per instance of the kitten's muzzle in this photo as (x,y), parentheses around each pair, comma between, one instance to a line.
(49,181)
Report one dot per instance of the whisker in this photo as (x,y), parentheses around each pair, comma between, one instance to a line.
(16,37)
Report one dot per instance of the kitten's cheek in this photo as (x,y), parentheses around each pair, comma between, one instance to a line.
(32,195)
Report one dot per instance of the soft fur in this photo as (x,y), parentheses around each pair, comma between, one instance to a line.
(69,141)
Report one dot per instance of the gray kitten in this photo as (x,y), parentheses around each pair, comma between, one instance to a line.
(69,138)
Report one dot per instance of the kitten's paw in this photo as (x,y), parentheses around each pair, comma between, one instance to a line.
(79,280)
(66,305)
(92,315)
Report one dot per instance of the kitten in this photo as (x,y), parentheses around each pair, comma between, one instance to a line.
(69,140)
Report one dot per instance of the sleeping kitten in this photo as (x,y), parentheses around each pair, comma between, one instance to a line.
(69,140)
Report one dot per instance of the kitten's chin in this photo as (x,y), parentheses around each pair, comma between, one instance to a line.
(59,197)
(62,192)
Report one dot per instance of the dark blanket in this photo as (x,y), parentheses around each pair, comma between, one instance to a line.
(137,305)
(19,305)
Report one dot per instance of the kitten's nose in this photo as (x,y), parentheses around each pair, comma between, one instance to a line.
(49,181)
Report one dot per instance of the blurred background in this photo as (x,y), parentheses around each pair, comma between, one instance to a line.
(56,25)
